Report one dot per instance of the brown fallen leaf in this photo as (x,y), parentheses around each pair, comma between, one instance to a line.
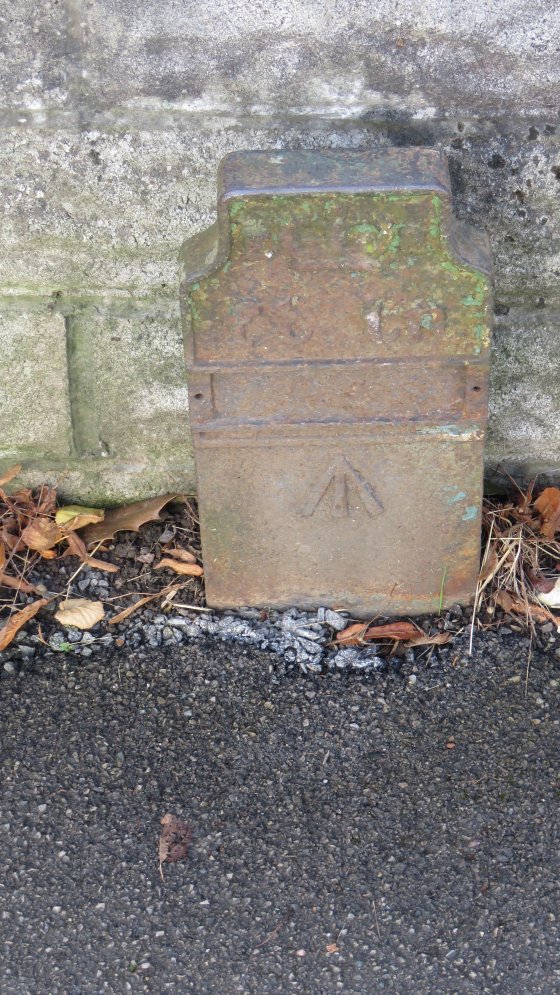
(548,507)
(77,547)
(510,604)
(10,474)
(18,619)
(424,640)
(81,613)
(181,554)
(128,519)
(174,840)
(11,541)
(191,569)
(168,590)
(332,948)
(126,612)
(540,583)
(17,583)
(42,533)
(358,633)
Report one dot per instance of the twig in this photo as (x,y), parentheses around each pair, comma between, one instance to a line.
(275,931)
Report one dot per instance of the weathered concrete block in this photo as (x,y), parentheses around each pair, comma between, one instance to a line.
(349,60)
(34,404)
(128,390)
(97,401)
(524,440)
(35,56)
(337,331)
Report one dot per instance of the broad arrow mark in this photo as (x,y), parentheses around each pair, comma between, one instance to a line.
(341,479)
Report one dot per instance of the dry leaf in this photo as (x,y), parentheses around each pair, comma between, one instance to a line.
(2,556)
(77,546)
(332,948)
(539,582)
(17,583)
(128,519)
(510,604)
(548,507)
(352,634)
(126,612)
(191,569)
(358,633)
(11,541)
(72,516)
(504,600)
(80,613)
(41,534)
(180,554)
(552,596)
(10,474)
(18,619)
(423,640)
(174,840)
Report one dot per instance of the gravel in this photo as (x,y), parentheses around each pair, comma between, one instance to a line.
(387,830)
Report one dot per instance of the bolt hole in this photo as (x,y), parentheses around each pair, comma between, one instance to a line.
(476,388)
(198,397)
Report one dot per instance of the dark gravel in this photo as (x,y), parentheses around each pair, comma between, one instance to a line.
(393,832)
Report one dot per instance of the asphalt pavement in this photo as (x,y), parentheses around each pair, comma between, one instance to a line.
(392,832)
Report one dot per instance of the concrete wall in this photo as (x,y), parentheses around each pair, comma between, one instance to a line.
(113,118)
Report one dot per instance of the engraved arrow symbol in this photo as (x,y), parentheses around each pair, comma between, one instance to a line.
(338,479)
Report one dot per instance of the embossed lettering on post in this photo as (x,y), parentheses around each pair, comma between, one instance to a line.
(337,323)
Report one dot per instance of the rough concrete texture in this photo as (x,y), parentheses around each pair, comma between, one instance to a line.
(114,119)
(34,403)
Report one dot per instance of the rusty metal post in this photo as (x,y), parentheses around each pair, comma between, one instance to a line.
(337,324)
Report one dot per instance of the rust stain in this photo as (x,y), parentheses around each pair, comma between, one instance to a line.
(337,324)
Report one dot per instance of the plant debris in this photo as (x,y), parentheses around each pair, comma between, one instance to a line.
(189,569)
(80,613)
(174,840)
(521,558)
(34,527)
(18,620)
(358,633)
(127,519)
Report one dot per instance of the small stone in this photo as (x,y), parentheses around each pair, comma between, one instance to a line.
(86,651)
(10,667)
(25,650)
(336,621)
(42,808)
